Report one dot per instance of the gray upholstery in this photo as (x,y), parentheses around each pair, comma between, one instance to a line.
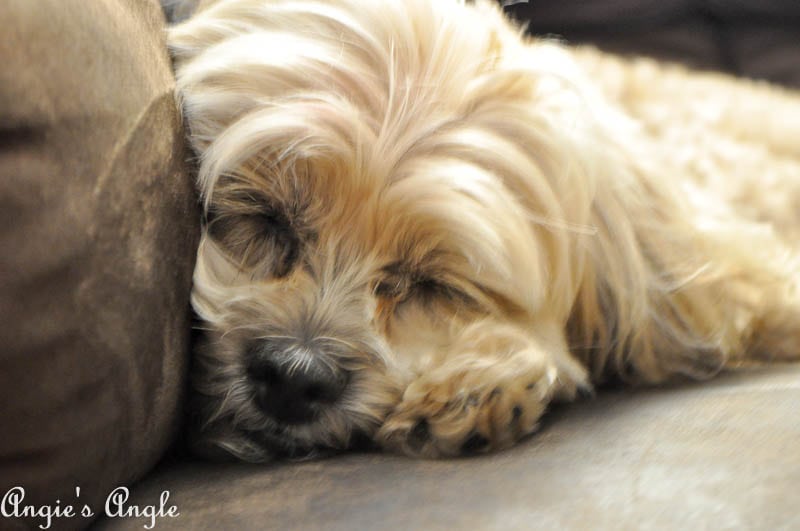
(717,455)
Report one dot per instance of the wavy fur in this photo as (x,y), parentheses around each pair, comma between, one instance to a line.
(470,221)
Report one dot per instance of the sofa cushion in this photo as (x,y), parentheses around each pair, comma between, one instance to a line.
(715,455)
(98,230)
(753,38)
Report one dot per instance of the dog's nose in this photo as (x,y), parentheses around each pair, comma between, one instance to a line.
(293,391)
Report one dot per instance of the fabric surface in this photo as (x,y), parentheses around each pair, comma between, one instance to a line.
(715,455)
(98,231)
(752,38)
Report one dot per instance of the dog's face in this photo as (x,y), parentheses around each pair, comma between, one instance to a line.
(371,194)
(329,289)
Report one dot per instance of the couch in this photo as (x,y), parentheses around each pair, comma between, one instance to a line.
(98,227)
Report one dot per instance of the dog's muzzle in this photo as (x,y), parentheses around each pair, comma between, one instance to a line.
(293,383)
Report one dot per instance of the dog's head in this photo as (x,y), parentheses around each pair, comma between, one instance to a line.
(378,177)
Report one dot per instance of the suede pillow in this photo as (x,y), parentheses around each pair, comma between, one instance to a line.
(98,232)
(752,38)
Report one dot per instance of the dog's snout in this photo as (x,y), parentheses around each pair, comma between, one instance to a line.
(293,388)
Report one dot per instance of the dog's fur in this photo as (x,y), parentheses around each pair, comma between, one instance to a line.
(471,222)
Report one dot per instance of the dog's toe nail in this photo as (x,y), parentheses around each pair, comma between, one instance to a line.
(585,393)
(419,435)
(474,443)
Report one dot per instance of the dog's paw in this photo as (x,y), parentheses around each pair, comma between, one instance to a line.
(472,411)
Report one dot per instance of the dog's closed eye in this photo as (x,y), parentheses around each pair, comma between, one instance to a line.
(428,289)
(403,287)
(262,235)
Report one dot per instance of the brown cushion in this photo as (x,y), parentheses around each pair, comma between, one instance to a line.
(98,228)
(752,38)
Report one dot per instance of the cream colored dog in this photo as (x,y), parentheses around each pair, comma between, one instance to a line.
(423,227)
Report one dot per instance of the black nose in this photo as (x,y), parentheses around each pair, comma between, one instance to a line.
(293,387)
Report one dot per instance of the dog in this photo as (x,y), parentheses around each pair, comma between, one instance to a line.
(423,227)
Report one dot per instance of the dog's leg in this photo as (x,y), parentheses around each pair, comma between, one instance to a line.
(490,390)
(749,313)
(756,294)
(774,332)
